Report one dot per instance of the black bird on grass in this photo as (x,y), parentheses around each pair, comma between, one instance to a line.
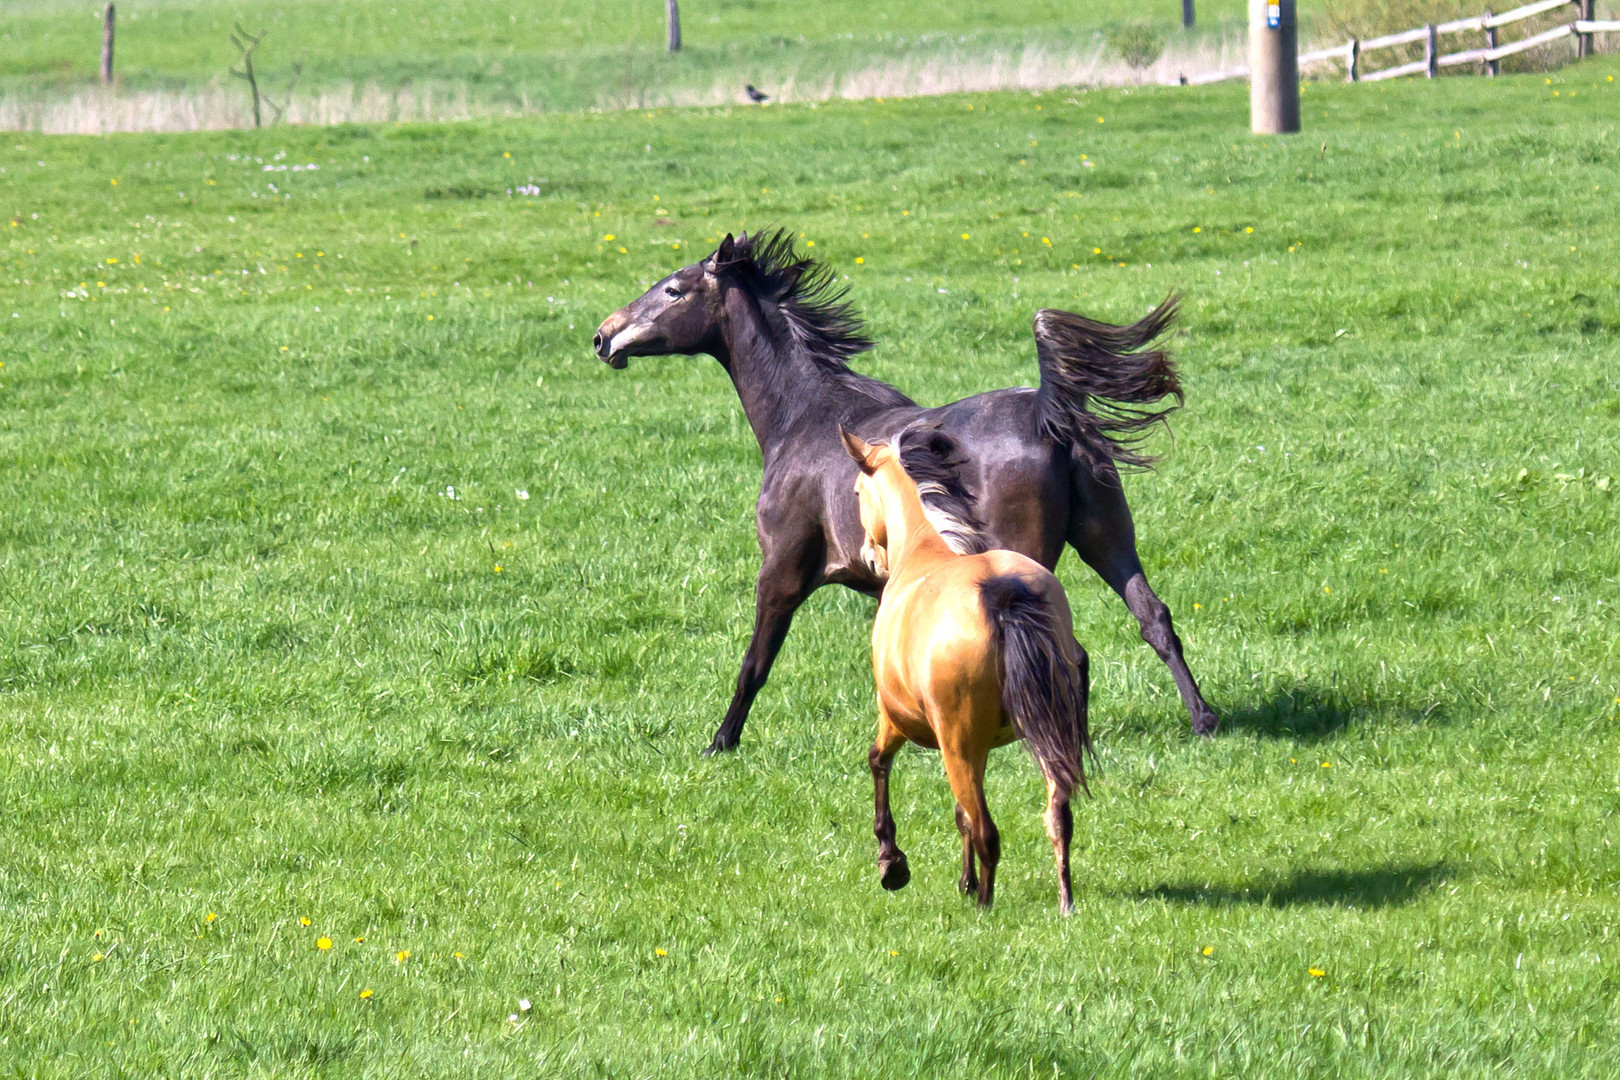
(755,96)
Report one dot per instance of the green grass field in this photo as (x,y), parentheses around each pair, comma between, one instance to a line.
(286,657)
(566,56)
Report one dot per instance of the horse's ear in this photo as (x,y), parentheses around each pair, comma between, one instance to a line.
(859,449)
(727,251)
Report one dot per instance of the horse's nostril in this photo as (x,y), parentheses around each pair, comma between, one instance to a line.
(596,342)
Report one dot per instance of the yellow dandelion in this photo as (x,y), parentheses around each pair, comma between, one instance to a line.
(660,952)
(112,262)
(624,251)
(859,260)
(1047,240)
(1099,119)
(497,568)
(318,254)
(284,348)
(365,994)
(965,236)
(1248,228)
(402,956)
(323,943)
(359,939)
(1327,764)
(165,307)
(458,956)
(1198,228)
(98,958)
(1326,589)
(210,917)
(609,237)
(430,318)
(894,952)
(1208,950)
(1316,973)
(1198,607)
(809,243)
(507,154)
(115,183)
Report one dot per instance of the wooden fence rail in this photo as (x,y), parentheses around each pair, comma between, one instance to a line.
(1352,53)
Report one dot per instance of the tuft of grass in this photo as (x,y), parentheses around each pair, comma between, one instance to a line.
(262,684)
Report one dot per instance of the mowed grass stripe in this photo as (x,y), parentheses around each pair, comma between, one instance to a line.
(256,659)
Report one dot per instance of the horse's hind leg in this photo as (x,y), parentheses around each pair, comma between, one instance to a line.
(1101,530)
(1060,827)
(893,871)
(969,881)
(966,774)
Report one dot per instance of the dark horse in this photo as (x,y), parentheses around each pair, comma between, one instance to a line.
(1042,463)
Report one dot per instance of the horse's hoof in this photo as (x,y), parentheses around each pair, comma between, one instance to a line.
(719,746)
(894,874)
(1206,724)
(968,886)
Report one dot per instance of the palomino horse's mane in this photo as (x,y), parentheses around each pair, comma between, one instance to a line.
(812,306)
(933,460)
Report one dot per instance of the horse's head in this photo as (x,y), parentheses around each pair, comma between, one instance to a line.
(681,314)
(869,491)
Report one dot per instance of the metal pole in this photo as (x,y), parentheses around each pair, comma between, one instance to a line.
(1187,13)
(1492,67)
(108,15)
(1431,51)
(1583,42)
(1273,67)
(1353,61)
(673,11)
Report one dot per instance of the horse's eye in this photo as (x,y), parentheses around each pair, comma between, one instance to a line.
(670,290)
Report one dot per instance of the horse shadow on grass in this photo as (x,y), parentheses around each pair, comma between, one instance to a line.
(1308,714)
(1391,885)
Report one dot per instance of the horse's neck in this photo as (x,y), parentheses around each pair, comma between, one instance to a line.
(914,543)
(774,383)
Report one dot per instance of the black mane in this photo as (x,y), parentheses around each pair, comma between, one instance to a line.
(933,460)
(811,305)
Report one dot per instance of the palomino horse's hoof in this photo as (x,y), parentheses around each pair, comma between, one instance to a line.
(894,874)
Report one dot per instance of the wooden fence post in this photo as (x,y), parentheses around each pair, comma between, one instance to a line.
(672,12)
(1431,51)
(1583,42)
(1492,67)
(1273,67)
(1353,61)
(108,15)
(1187,16)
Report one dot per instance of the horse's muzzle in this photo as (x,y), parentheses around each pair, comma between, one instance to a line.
(602,343)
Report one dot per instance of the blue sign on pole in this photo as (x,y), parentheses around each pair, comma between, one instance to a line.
(1273,16)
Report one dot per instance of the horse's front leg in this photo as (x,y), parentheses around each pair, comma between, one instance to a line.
(783,586)
(893,870)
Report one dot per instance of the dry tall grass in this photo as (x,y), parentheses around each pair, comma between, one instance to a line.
(97,110)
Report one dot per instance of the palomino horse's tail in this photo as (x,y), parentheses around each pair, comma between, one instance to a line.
(1098,381)
(1042,693)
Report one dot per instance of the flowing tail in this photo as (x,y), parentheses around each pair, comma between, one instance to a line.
(1042,693)
(1098,381)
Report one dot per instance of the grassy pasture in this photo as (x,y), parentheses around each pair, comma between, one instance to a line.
(285,656)
(550,56)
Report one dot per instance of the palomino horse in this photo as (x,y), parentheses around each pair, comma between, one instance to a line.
(1041,463)
(969,652)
